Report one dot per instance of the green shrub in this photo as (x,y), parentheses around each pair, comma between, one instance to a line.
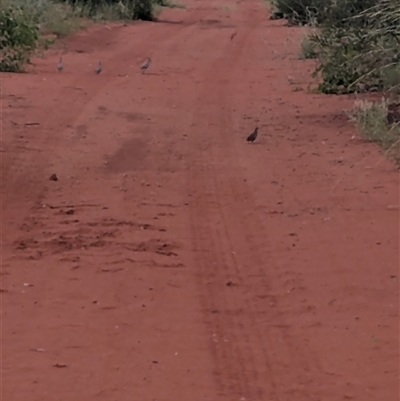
(333,12)
(51,16)
(301,11)
(18,38)
(162,3)
(116,9)
(360,53)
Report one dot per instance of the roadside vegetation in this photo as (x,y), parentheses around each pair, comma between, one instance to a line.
(26,25)
(378,121)
(356,45)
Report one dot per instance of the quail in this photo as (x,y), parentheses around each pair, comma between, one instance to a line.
(145,65)
(98,68)
(253,136)
(60,65)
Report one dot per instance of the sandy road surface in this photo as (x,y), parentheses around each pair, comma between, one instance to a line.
(174,261)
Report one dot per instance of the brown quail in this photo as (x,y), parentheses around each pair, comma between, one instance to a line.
(253,136)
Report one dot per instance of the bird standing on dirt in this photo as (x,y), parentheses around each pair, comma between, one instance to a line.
(145,65)
(98,68)
(60,65)
(253,136)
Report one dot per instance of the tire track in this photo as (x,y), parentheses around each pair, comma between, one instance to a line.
(238,363)
(242,363)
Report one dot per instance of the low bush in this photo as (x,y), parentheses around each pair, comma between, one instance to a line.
(22,22)
(301,11)
(18,37)
(116,9)
(51,16)
(332,12)
(363,54)
(357,47)
(356,43)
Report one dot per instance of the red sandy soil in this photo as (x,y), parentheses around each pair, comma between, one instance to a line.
(174,261)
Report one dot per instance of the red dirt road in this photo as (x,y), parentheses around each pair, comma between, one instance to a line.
(172,260)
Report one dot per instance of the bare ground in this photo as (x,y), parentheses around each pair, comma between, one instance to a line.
(172,260)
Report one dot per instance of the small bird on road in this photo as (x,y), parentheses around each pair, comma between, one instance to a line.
(98,68)
(253,136)
(145,65)
(60,65)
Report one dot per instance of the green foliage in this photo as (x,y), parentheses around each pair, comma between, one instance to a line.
(115,9)
(52,17)
(364,53)
(22,22)
(341,13)
(18,37)
(59,19)
(142,9)
(357,45)
(344,59)
(322,11)
(162,3)
(301,11)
